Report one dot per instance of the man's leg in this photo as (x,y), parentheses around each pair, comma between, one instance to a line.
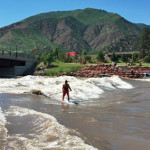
(68,94)
(64,93)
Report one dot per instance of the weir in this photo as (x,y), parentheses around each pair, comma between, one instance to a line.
(14,65)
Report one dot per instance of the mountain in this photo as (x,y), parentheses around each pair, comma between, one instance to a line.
(141,25)
(89,29)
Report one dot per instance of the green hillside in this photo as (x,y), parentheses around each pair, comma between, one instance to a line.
(89,29)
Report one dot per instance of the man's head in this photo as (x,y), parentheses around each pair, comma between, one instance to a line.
(66,81)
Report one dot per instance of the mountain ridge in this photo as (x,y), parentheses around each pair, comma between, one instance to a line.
(90,29)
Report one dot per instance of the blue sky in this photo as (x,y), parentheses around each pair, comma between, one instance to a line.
(11,11)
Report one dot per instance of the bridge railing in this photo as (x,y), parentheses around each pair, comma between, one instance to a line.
(16,54)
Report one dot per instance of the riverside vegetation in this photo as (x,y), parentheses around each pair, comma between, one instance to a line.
(60,64)
(56,63)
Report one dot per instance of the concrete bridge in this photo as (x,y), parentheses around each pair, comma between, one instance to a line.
(14,64)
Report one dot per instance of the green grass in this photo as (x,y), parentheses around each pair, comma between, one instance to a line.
(60,67)
(145,64)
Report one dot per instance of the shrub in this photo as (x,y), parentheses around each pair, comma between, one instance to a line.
(147,59)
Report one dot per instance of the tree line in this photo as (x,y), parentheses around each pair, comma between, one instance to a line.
(143,46)
(49,56)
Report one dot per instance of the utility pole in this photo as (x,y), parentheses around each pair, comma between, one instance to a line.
(16,51)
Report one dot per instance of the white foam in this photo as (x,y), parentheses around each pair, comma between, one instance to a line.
(2,117)
(46,127)
(119,83)
(82,89)
(3,130)
(145,79)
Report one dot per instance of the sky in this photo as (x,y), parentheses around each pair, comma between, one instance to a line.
(12,11)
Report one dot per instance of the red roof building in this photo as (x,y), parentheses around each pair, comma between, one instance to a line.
(72,54)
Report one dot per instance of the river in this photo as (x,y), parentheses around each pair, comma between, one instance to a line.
(112,114)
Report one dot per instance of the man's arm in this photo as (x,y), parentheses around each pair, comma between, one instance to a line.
(69,87)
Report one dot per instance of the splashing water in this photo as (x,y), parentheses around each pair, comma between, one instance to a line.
(45,132)
(82,89)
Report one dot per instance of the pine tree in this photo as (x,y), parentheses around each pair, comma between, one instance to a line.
(144,42)
(100,57)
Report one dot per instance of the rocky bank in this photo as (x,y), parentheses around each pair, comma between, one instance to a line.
(109,70)
(105,71)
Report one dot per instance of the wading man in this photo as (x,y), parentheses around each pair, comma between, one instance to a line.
(65,89)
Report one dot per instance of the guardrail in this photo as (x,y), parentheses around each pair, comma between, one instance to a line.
(16,55)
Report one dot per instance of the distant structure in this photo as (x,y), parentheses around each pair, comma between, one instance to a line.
(127,54)
(72,54)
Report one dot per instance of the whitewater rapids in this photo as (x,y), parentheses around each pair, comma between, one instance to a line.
(82,89)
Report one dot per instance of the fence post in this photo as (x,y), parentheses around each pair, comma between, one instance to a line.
(16,51)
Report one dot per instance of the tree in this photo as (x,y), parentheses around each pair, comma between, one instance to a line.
(84,55)
(147,59)
(88,58)
(100,57)
(124,59)
(61,56)
(144,42)
(68,59)
(56,52)
(133,57)
(48,59)
(114,58)
(133,60)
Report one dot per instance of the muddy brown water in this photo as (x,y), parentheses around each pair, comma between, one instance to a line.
(119,120)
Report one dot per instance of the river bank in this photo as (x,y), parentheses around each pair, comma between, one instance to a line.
(105,70)
(109,70)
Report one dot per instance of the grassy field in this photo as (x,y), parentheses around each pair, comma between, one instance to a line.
(145,64)
(61,67)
